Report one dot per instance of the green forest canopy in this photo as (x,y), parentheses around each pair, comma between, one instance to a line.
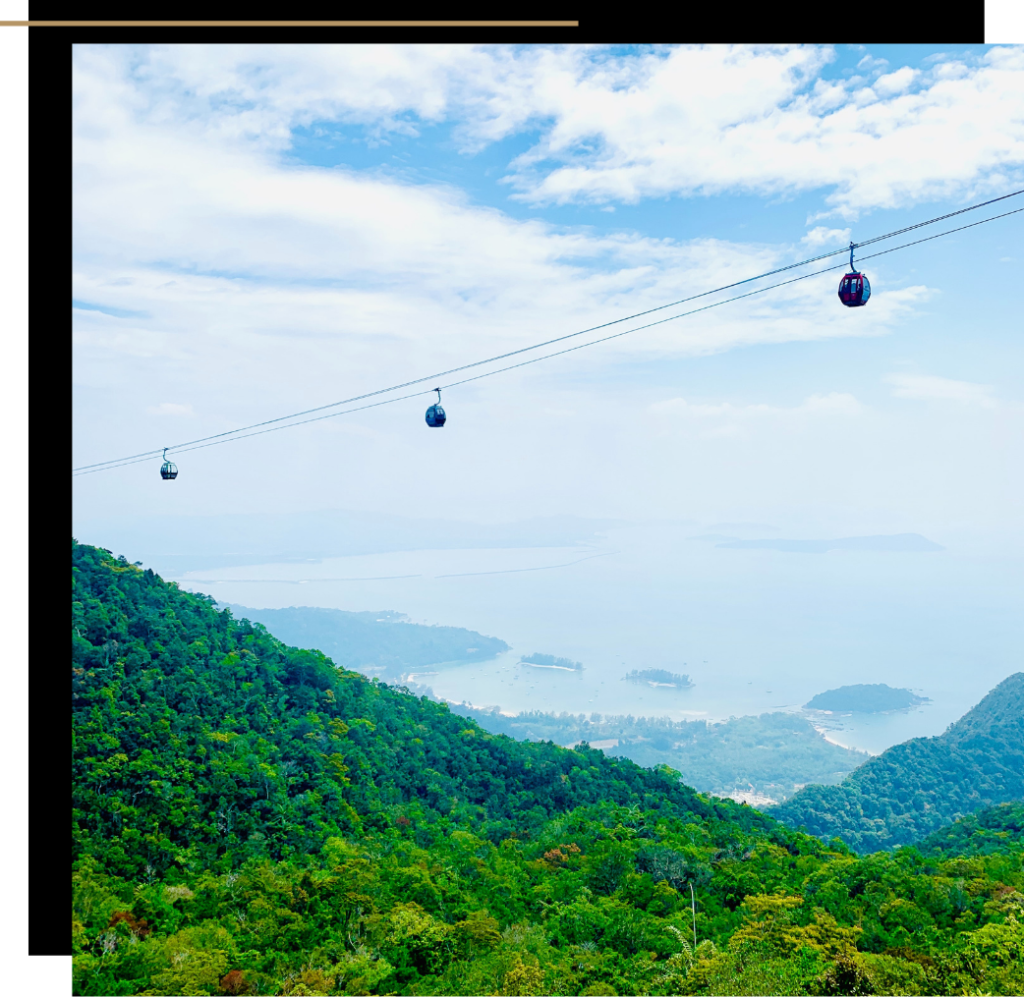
(994,829)
(249,818)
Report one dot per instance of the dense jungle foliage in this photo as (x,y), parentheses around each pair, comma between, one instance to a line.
(912,789)
(248,818)
(773,755)
(383,644)
(995,829)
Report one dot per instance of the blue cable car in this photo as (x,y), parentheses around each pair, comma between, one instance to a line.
(854,289)
(168,471)
(435,414)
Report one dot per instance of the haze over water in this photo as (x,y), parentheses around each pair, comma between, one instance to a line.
(757,630)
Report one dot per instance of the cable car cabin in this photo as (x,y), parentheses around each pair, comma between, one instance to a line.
(854,290)
(435,416)
(168,471)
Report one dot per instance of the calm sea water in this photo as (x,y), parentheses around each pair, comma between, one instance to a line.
(757,630)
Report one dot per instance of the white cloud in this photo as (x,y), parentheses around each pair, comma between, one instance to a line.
(765,129)
(927,387)
(869,62)
(670,120)
(681,407)
(170,408)
(894,83)
(725,420)
(834,403)
(821,237)
(237,260)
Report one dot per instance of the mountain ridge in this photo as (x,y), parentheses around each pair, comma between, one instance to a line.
(904,542)
(248,818)
(913,788)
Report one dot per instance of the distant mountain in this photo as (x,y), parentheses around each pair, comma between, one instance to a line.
(381,643)
(189,543)
(914,788)
(745,527)
(864,699)
(998,829)
(909,542)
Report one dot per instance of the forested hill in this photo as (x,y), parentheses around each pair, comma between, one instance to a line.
(994,830)
(250,819)
(199,737)
(914,788)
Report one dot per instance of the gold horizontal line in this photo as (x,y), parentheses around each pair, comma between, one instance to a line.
(289,24)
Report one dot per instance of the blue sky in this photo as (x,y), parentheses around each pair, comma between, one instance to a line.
(432,155)
(265,229)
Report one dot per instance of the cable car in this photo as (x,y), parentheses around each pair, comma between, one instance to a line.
(854,289)
(435,414)
(168,471)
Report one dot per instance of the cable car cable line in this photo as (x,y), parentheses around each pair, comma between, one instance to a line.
(932,221)
(201,444)
(704,308)
(142,458)
(231,435)
(549,342)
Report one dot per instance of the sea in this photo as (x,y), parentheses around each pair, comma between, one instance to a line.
(757,630)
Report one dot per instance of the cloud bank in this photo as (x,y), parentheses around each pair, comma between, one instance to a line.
(609,127)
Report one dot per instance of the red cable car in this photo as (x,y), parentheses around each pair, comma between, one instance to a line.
(854,289)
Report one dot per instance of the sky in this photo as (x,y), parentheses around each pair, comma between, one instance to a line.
(260,230)
(264,230)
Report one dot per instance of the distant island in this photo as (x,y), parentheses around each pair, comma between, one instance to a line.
(550,661)
(383,644)
(878,698)
(657,676)
(905,542)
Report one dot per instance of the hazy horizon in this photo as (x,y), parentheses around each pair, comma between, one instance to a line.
(758,630)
